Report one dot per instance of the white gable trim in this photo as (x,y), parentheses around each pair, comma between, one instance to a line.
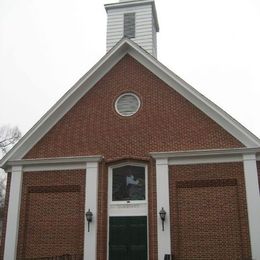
(126,46)
(65,103)
(208,107)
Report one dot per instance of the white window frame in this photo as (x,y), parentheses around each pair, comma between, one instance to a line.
(127,94)
(110,185)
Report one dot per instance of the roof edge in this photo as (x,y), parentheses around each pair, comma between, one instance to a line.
(205,153)
(103,66)
(58,108)
(230,124)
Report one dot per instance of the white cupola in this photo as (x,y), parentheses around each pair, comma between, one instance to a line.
(135,19)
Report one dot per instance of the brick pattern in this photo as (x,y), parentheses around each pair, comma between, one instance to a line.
(209,212)
(52,214)
(5,215)
(152,212)
(165,122)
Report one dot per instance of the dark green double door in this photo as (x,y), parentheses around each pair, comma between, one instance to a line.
(128,238)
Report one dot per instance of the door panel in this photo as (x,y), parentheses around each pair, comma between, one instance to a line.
(127,238)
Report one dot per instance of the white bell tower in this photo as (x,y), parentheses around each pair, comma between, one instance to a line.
(135,19)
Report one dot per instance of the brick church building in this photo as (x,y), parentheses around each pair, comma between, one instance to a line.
(132,163)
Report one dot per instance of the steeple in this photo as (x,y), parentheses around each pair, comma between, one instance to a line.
(135,19)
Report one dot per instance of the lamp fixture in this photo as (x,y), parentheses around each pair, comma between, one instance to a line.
(89,216)
(162,214)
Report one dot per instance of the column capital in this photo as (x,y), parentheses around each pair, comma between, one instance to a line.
(17,168)
(90,165)
(249,157)
(162,161)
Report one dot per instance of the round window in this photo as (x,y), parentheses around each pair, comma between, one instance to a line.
(127,104)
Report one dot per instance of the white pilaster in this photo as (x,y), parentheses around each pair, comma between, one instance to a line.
(162,189)
(91,200)
(253,203)
(13,215)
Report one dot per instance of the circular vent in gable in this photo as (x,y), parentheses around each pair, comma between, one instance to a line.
(127,104)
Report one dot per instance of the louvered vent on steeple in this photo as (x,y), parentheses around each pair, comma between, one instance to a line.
(129,25)
(134,19)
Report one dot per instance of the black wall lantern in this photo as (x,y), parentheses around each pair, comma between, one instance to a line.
(89,216)
(162,214)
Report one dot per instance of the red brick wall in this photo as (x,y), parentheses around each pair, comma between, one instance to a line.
(152,212)
(52,214)
(209,212)
(165,122)
(5,215)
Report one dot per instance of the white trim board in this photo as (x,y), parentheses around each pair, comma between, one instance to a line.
(205,156)
(124,47)
(52,164)
(253,205)
(91,203)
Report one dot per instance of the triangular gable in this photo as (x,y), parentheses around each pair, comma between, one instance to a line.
(126,46)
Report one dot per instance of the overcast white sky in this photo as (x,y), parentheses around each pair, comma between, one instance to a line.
(47,45)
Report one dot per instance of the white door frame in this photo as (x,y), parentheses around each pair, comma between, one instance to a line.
(123,208)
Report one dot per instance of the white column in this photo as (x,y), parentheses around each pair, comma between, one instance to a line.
(253,203)
(162,189)
(13,215)
(91,200)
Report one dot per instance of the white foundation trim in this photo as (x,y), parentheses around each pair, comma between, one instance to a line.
(162,189)
(91,202)
(13,215)
(253,203)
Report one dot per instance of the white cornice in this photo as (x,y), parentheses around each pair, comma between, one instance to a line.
(206,156)
(59,163)
(126,46)
(205,152)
